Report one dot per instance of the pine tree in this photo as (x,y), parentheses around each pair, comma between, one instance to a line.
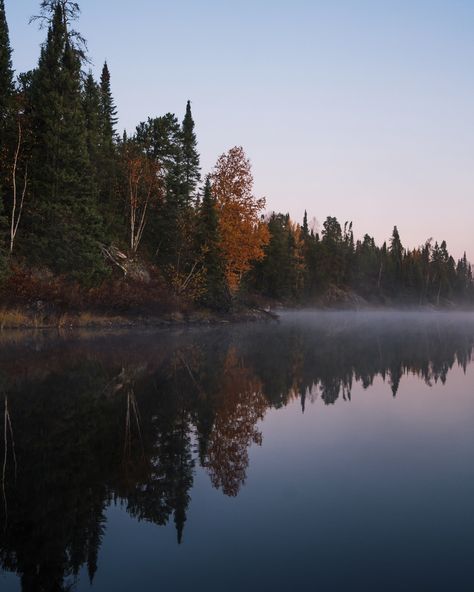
(190,163)
(65,227)
(70,11)
(162,139)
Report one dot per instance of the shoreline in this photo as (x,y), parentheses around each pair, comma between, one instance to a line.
(12,319)
(17,319)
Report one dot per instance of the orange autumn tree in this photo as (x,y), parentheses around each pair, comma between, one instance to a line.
(242,232)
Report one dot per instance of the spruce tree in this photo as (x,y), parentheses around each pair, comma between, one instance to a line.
(6,126)
(107,164)
(304,228)
(64,226)
(91,103)
(396,257)
(108,110)
(6,95)
(191,168)
(279,275)
(216,294)
(104,165)
(6,71)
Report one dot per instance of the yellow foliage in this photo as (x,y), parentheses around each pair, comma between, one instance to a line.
(243,233)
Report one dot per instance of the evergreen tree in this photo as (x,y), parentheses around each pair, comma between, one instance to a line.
(70,11)
(6,95)
(396,257)
(304,228)
(160,139)
(191,172)
(278,275)
(463,277)
(216,294)
(171,231)
(313,268)
(366,266)
(347,253)
(425,270)
(175,148)
(442,265)
(6,71)
(332,260)
(91,103)
(6,126)
(106,163)
(108,111)
(65,227)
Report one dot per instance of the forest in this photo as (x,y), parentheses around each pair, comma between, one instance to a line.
(93,219)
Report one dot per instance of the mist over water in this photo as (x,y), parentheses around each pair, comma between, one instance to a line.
(330,450)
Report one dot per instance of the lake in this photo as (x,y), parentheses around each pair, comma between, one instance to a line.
(328,451)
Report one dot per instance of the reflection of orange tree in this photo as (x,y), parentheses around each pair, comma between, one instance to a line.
(238,410)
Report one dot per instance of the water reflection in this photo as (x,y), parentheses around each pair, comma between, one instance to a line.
(92,420)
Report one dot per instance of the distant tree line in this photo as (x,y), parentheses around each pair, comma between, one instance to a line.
(84,203)
(299,264)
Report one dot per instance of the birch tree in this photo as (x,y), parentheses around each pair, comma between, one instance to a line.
(143,190)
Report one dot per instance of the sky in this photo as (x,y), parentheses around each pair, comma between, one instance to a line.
(363,110)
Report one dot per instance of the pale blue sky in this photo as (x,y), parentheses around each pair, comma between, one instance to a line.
(354,108)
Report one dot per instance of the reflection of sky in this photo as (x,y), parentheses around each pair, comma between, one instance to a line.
(430,415)
(361,110)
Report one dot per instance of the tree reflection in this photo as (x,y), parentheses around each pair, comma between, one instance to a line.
(8,441)
(239,407)
(130,420)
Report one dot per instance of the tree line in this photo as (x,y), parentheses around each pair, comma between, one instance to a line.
(87,204)
(300,264)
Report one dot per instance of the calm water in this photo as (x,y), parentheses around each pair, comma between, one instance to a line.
(328,452)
